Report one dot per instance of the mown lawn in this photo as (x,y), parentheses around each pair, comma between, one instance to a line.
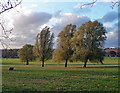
(55,77)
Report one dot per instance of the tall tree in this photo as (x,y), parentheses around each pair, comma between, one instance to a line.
(88,42)
(44,44)
(64,50)
(26,53)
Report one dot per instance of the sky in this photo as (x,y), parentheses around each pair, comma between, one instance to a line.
(28,19)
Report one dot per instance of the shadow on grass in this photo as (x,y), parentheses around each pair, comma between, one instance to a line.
(100,67)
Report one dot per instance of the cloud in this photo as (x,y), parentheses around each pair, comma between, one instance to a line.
(109,17)
(67,0)
(78,6)
(84,9)
(26,27)
(28,24)
(64,20)
(116,24)
(108,25)
(112,36)
(34,5)
(68,18)
(106,0)
(82,5)
(111,42)
(34,19)
(58,13)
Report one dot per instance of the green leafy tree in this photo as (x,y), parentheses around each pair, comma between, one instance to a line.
(64,50)
(44,44)
(88,42)
(26,53)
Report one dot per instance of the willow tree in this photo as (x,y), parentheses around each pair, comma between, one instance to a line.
(44,44)
(64,50)
(26,53)
(88,42)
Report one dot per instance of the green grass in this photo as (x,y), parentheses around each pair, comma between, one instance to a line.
(55,77)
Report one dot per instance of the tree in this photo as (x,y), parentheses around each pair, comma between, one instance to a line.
(44,44)
(26,53)
(104,53)
(9,53)
(88,42)
(112,53)
(64,50)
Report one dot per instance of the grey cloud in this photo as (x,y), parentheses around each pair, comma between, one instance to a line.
(112,37)
(111,42)
(69,19)
(57,14)
(116,24)
(78,9)
(34,19)
(109,17)
(20,41)
(26,27)
(82,11)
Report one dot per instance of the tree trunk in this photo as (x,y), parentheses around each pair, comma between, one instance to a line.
(43,62)
(101,62)
(27,62)
(66,63)
(85,62)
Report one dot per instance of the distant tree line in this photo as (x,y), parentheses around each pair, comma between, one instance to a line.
(13,53)
(9,53)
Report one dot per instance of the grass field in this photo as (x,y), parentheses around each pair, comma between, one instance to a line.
(55,77)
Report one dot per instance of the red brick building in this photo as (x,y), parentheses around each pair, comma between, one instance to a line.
(112,52)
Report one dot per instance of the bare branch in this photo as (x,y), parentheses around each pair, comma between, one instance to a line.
(92,3)
(5,35)
(8,5)
(4,45)
(114,3)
